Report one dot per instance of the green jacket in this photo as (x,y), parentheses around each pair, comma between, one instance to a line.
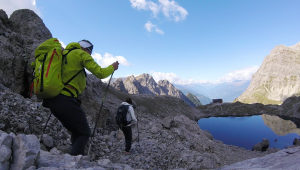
(78,60)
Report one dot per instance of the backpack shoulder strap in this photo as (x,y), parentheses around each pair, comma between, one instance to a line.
(65,55)
(66,83)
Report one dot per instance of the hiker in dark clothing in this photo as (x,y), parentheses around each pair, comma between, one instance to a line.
(127,131)
(66,107)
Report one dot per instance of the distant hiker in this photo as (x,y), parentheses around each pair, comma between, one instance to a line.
(65,106)
(125,114)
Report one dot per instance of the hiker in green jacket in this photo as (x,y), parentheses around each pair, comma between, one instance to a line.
(66,107)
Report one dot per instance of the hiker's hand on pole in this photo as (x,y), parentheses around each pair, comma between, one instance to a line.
(115,65)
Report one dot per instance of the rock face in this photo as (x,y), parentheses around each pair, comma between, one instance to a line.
(145,84)
(169,89)
(277,78)
(285,159)
(19,36)
(119,85)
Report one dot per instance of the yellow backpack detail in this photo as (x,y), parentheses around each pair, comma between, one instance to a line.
(47,81)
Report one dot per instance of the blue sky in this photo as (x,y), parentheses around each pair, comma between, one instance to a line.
(184,41)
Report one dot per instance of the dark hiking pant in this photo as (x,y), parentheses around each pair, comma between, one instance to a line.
(68,111)
(128,137)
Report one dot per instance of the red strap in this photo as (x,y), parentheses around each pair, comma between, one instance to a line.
(70,87)
(54,52)
(37,86)
(30,89)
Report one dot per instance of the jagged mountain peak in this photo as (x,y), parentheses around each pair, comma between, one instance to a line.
(166,83)
(296,46)
(145,84)
(130,78)
(145,76)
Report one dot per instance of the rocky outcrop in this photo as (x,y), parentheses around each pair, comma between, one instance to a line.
(262,146)
(119,85)
(145,84)
(134,87)
(285,159)
(276,79)
(19,36)
(296,142)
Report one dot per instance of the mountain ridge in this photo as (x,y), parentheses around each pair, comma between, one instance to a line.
(145,84)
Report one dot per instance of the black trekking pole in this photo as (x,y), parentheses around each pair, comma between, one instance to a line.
(45,126)
(99,115)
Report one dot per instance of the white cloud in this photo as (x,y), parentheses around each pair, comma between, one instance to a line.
(9,6)
(62,44)
(159,31)
(244,74)
(173,78)
(108,59)
(170,9)
(139,4)
(149,27)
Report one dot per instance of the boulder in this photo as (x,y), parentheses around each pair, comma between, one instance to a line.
(263,146)
(47,140)
(26,151)
(168,122)
(296,142)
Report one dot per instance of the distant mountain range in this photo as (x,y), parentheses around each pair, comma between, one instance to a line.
(206,92)
(145,84)
(202,97)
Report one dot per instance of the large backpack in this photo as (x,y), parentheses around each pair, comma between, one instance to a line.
(122,118)
(47,81)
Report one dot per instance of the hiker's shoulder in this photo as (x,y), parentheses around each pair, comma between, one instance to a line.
(124,103)
(73,45)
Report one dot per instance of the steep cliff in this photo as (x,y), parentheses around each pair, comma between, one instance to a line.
(19,36)
(277,78)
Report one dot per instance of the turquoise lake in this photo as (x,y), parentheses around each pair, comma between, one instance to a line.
(247,131)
